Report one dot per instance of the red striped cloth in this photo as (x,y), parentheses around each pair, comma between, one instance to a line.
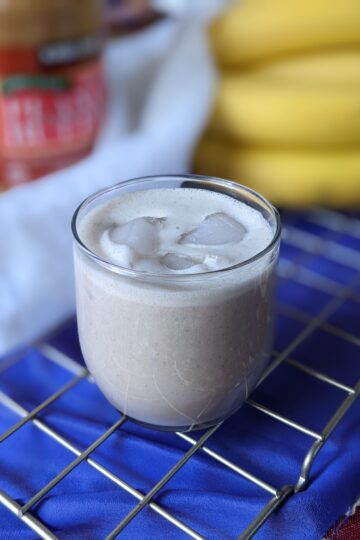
(346,527)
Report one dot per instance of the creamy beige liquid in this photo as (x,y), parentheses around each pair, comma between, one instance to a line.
(181,350)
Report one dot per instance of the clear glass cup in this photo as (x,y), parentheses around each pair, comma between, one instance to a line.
(176,352)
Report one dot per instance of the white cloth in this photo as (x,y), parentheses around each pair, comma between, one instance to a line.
(161,84)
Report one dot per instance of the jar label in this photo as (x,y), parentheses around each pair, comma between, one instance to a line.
(68,52)
(42,113)
(46,114)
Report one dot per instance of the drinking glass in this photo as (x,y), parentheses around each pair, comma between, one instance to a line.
(176,351)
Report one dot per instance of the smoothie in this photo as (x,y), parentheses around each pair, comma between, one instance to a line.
(174,302)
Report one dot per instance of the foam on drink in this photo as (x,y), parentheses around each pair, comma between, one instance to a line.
(175,231)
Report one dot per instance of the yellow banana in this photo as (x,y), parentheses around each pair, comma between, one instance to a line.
(286,177)
(255,30)
(339,68)
(255,109)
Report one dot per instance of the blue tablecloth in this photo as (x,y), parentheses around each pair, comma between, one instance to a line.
(212,499)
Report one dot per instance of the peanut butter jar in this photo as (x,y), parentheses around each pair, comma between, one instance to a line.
(52,91)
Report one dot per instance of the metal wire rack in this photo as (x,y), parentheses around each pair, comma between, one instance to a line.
(309,245)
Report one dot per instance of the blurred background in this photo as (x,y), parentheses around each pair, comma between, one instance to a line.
(264,92)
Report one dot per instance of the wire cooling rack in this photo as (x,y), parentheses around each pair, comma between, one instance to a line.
(307,239)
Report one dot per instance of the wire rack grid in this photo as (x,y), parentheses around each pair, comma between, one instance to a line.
(308,246)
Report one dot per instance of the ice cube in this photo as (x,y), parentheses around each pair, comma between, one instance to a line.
(152,266)
(215,230)
(124,256)
(120,254)
(140,234)
(179,261)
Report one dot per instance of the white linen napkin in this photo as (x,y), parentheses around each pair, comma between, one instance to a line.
(161,83)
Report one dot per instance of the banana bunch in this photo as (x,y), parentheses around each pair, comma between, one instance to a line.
(287,115)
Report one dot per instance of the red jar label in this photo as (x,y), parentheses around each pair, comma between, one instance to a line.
(50,114)
(47,115)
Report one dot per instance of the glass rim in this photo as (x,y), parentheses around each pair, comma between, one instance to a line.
(130,272)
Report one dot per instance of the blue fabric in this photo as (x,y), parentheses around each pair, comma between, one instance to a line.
(208,497)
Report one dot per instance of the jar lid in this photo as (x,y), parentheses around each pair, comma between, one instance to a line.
(33,22)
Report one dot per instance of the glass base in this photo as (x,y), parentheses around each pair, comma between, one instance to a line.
(181,429)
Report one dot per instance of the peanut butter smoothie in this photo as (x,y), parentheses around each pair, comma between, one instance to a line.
(174,284)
